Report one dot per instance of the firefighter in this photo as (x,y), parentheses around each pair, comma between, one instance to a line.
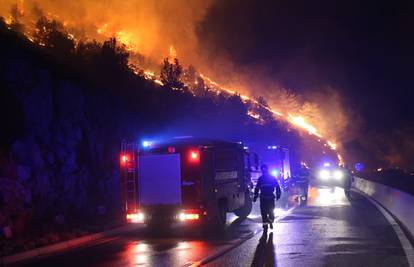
(302,181)
(349,179)
(267,184)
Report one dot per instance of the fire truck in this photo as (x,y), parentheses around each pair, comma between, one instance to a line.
(277,158)
(187,181)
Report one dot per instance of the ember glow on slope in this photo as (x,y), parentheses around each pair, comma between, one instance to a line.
(296,120)
(147,30)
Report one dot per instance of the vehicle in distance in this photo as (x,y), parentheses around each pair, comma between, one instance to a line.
(331,176)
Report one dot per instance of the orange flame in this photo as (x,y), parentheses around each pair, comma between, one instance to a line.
(301,123)
(172,55)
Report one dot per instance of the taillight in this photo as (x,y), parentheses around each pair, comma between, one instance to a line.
(194,156)
(188,216)
(124,159)
(135,217)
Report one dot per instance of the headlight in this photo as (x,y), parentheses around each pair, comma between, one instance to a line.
(338,174)
(140,217)
(324,174)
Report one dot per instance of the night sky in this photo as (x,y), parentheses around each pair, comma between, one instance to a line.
(362,49)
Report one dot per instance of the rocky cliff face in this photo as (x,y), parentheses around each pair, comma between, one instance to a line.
(59,148)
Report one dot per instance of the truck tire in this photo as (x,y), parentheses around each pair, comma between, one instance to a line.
(217,224)
(222,215)
(244,211)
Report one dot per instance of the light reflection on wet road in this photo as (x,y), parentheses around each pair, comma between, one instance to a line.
(327,230)
(328,197)
(178,246)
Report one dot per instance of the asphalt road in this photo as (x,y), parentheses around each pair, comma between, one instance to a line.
(328,230)
(331,230)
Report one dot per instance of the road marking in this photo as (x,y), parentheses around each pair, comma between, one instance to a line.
(405,243)
(237,242)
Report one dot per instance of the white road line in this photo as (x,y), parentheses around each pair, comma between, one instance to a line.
(237,243)
(405,243)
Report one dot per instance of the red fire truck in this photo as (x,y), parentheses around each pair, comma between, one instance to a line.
(188,180)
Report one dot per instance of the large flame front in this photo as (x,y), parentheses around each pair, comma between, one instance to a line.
(300,122)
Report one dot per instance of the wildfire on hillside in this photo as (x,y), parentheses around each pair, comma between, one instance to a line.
(138,40)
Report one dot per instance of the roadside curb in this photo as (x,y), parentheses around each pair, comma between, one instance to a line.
(65,245)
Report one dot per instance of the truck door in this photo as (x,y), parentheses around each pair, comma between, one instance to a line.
(229,175)
(160,180)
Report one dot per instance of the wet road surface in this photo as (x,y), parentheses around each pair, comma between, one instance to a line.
(328,230)
(178,246)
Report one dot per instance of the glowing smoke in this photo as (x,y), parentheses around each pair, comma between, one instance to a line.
(150,26)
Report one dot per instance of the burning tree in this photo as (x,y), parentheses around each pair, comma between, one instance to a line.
(114,55)
(189,75)
(192,79)
(171,74)
(263,110)
(200,89)
(52,34)
(16,14)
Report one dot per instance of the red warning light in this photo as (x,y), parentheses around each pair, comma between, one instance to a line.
(124,159)
(194,156)
(171,149)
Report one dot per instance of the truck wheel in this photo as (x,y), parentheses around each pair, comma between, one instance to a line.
(244,211)
(217,224)
(222,215)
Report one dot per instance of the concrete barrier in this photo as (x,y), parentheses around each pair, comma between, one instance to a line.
(399,203)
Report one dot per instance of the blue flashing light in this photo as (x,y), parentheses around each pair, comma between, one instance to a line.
(274,172)
(327,164)
(146,144)
(272,147)
(359,166)
(246,147)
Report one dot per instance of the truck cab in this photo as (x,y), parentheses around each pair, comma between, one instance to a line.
(187,181)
